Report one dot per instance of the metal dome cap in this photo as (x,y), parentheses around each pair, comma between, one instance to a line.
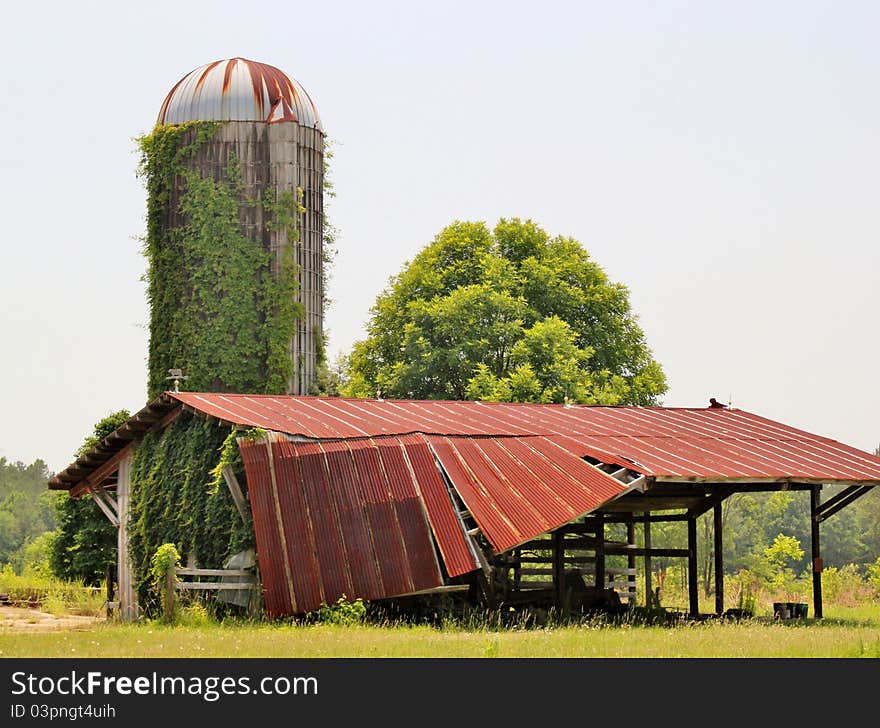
(238,89)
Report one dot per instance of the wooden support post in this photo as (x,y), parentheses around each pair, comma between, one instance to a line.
(108,581)
(817,553)
(649,593)
(170,589)
(719,560)
(630,558)
(600,550)
(692,575)
(559,568)
(128,608)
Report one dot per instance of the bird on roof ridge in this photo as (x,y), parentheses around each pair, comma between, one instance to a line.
(715,404)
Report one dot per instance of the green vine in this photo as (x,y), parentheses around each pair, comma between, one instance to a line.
(283,309)
(218,311)
(179,496)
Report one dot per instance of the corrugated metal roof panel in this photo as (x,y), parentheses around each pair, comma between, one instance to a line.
(663,442)
(238,89)
(458,557)
(519,488)
(268,530)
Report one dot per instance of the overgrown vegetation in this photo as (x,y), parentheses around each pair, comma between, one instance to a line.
(179,496)
(218,310)
(27,509)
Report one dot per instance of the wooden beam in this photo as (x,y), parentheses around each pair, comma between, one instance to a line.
(719,558)
(558,568)
(101,473)
(833,505)
(638,551)
(599,520)
(710,502)
(235,491)
(815,519)
(128,607)
(186,571)
(105,508)
(447,589)
(649,586)
(693,585)
(647,503)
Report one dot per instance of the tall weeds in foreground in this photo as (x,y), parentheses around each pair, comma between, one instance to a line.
(51,595)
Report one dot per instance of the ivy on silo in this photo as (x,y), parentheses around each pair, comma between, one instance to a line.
(217,311)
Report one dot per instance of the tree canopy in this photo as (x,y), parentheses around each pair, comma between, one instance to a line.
(27,508)
(507,314)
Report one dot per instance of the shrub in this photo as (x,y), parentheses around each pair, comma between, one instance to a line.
(342,612)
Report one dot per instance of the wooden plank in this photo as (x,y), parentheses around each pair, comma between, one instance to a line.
(187,571)
(211,585)
(128,607)
(105,508)
(442,589)
(619,585)
(235,491)
(639,551)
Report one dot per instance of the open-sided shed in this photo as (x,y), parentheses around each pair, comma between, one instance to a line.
(388,498)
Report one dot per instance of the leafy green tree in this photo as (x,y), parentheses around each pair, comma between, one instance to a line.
(505,314)
(26,507)
(85,541)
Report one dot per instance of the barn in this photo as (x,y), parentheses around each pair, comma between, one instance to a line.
(503,503)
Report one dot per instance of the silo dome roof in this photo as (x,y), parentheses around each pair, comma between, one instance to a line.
(238,89)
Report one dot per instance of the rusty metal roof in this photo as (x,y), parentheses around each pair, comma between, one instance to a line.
(369,498)
(518,488)
(665,443)
(238,89)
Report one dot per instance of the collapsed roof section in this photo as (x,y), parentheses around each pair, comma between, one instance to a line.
(353,517)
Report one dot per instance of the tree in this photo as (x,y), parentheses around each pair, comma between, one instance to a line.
(85,541)
(509,314)
(26,508)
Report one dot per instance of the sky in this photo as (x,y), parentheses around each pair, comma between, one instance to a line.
(719,159)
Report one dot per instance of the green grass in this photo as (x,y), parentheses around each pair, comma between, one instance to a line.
(844,633)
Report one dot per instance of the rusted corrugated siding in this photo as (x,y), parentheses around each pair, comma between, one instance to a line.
(340,518)
(519,488)
(458,556)
(268,530)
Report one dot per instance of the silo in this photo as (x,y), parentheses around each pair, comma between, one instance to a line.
(251,123)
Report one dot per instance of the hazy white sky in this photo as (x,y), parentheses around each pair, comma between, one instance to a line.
(718,158)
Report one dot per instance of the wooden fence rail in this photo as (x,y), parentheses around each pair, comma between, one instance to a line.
(173,584)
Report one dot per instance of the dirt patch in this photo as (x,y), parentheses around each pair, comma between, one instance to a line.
(21,619)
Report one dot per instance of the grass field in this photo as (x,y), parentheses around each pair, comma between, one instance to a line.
(844,633)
